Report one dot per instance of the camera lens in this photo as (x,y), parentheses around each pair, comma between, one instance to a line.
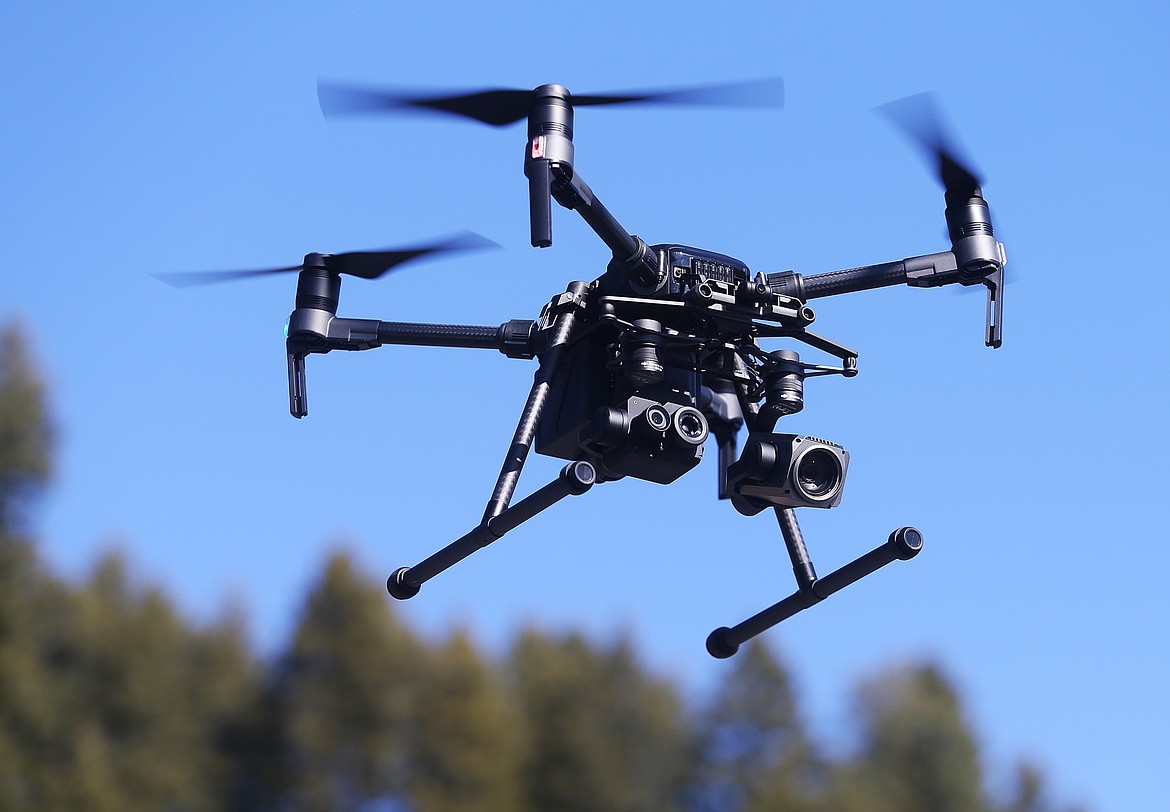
(657,417)
(818,474)
(690,425)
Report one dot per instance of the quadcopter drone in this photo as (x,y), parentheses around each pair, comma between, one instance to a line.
(662,352)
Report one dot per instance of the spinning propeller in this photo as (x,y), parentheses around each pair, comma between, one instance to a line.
(502,106)
(548,162)
(919,118)
(363,264)
(979,257)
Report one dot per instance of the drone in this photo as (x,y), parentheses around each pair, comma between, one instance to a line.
(639,368)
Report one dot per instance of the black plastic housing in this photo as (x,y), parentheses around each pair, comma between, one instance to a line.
(594,412)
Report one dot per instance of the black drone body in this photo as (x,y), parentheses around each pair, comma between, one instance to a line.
(640,367)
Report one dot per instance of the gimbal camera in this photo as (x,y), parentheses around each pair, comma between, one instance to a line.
(640,368)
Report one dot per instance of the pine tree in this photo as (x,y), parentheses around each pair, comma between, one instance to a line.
(465,756)
(917,752)
(1031,793)
(111,702)
(25,433)
(602,734)
(31,601)
(148,699)
(343,699)
(108,700)
(755,752)
(35,613)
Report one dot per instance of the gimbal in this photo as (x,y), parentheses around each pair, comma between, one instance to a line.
(638,368)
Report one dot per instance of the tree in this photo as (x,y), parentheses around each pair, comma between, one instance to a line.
(755,753)
(109,701)
(602,734)
(465,756)
(25,434)
(1031,792)
(146,700)
(343,699)
(35,611)
(917,752)
(31,601)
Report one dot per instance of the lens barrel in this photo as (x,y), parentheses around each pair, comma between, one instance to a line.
(818,474)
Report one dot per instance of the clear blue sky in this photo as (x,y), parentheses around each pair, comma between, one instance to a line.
(144,137)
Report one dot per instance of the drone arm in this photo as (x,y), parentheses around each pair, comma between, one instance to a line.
(317,331)
(926,271)
(970,264)
(631,255)
(849,280)
(513,338)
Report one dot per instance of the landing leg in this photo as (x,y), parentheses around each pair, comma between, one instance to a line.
(904,543)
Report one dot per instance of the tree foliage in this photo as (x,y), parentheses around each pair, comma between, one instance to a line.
(343,696)
(111,700)
(25,433)
(917,754)
(754,750)
(602,733)
(467,747)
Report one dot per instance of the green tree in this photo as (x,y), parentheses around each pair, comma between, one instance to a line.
(146,701)
(35,611)
(602,734)
(917,752)
(108,700)
(25,434)
(31,601)
(1030,793)
(755,752)
(343,699)
(465,756)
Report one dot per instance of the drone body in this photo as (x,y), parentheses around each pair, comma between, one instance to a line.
(640,367)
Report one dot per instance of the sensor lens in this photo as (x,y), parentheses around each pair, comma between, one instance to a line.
(657,417)
(690,425)
(818,474)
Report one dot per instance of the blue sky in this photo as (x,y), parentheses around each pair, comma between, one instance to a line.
(140,138)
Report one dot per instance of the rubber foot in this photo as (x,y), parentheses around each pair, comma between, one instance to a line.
(907,542)
(717,645)
(398,588)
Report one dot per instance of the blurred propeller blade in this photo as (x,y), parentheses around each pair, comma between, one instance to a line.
(918,116)
(363,264)
(502,106)
(759,93)
(187,279)
(373,264)
(495,107)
